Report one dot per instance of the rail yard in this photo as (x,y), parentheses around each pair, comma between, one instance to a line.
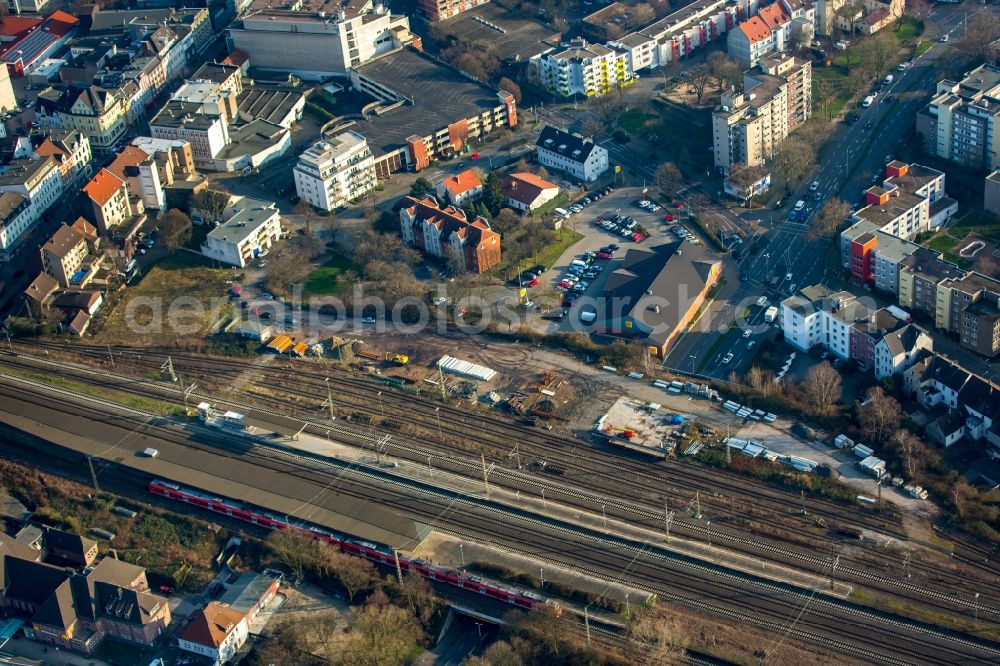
(945,582)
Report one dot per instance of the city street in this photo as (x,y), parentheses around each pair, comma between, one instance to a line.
(856,153)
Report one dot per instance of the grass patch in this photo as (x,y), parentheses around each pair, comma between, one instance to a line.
(923,46)
(181,296)
(634,121)
(127,399)
(910,29)
(977,222)
(323,280)
(548,255)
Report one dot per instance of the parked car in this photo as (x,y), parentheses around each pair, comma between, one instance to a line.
(727,358)
(747,333)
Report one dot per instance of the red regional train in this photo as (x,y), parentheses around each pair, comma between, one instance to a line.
(378,554)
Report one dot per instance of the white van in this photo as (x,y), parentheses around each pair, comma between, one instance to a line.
(578,263)
(800,204)
(562,211)
(868,101)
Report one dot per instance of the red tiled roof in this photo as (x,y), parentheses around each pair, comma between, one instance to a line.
(774,16)
(532,179)
(49,148)
(461,183)
(755,29)
(103,186)
(85,229)
(59,22)
(130,156)
(211,625)
(877,16)
(14,26)
(237,58)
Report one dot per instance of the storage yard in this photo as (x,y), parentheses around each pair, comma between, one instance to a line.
(641,427)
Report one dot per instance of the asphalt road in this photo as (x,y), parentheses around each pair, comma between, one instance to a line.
(856,154)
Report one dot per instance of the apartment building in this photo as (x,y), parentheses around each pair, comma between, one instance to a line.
(335,171)
(910,200)
(768,31)
(109,199)
(582,69)
(899,349)
(410,126)
(991,191)
(71,151)
(325,40)
(250,226)
(749,125)
(682,32)
(447,234)
(207,133)
(438,10)
(968,405)
(572,154)
(968,307)
(141,175)
(38,180)
(63,256)
(866,333)
(961,122)
(99,113)
(16,219)
(856,16)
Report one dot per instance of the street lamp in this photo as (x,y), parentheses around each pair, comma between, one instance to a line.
(461,550)
(437,412)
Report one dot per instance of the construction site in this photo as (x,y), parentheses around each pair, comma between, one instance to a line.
(641,427)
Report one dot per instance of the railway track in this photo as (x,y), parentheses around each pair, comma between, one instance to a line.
(634,507)
(795,614)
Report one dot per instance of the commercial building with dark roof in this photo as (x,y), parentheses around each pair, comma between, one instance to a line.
(425,110)
(654,294)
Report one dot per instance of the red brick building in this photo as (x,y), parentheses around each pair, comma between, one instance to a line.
(447,232)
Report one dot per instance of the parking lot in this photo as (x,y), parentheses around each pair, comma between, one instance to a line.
(593,271)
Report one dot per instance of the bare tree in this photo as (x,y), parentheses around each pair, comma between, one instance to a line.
(305,210)
(356,574)
(828,219)
(606,109)
(656,631)
(380,635)
(212,203)
(700,78)
(641,15)
(175,229)
(505,221)
(879,414)
(508,85)
(979,34)
(912,452)
(724,69)
(822,386)
(500,653)
(794,158)
(319,628)
(292,547)
(761,380)
(669,179)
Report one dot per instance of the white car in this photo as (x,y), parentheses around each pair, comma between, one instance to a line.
(727,358)
(762,301)
(746,333)
(788,276)
(750,344)
(814,186)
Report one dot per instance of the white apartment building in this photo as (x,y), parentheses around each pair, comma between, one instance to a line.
(250,226)
(38,179)
(582,69)
(99,113)
(333,172)
(15,221)
(318,44)
(141,175)
(962,121)
(898,350)
(571,153)
(749,125)
(818,316)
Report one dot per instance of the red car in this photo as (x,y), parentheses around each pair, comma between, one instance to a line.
(668,217)
(475,156)
(533,283)
(638,237)
(678,205)
(604,255)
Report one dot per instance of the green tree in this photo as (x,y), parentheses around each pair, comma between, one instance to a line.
(493,197)
(175,229)
(421,187)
